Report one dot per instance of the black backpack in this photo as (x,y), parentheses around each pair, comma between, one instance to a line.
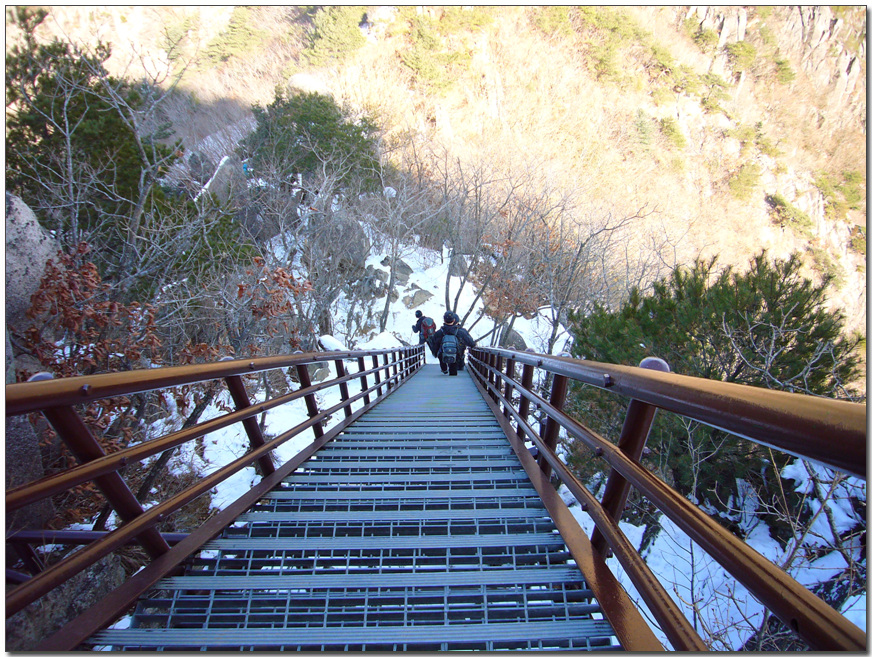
(450,348)
(428,327)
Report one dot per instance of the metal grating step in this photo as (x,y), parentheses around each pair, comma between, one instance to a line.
(397,543)
(395,528)
(364,494)
(416,529)
(487,636)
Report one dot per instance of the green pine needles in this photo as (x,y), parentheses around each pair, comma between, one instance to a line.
(766,327)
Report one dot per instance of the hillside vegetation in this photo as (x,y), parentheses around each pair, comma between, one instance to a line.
(684,182)
(739,129)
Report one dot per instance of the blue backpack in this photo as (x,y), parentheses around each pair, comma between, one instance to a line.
(449,348)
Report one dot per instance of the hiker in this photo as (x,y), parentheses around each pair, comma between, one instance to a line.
(424,327)
(449,344)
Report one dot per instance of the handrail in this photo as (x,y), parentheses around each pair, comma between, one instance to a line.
(32,395)
(817,623)
(828,431)
(55,399)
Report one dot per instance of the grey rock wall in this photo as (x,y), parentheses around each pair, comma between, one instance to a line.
(28,248)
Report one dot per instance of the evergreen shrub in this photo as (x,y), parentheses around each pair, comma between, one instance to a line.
(765,326)
(785,213)
(741,55)
(670,129)
(553,20)
(335,34)
(744,181)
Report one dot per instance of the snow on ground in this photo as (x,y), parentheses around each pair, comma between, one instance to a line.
(695,580)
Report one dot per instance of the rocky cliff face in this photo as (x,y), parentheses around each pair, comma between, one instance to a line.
(829,51)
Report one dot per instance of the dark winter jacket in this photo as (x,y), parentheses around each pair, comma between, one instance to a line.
(464,339)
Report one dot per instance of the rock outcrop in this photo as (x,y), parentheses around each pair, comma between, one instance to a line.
(28,248)
(815,41)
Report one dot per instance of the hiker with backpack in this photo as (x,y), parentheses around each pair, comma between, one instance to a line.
(424,327)
(449,344)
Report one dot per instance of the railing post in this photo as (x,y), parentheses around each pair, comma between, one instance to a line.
(362,368)
(524,405)
(510,385)
(311,402)
(634,434)
(405,362)
(343,387)
(387,373)
(557,398)
(85,447)
(240,397)
(498,366)
(377,375)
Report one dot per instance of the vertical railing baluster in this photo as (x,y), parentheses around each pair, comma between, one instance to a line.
(509,389)
(387,374)
(82,443)
(255,436)
(498,366)
(311,402)
(377,375)
(404,363)
(343,387)
(361,365)
(634,435)
(557,398)
(524,404)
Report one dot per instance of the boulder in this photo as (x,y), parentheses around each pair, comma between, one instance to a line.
(417,298)
(24,465)
(377,274)
(319,372)
(402,271)
(513,340)
(45,616)
(28,248)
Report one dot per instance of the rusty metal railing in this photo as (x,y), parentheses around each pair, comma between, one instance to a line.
(827,431)
(55,399)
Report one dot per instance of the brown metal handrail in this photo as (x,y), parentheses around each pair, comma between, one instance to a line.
(796,424)
(56,397)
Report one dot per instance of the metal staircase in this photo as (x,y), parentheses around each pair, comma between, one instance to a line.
(415,529)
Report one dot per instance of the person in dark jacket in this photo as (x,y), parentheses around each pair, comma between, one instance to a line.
(424,327)
(464,340)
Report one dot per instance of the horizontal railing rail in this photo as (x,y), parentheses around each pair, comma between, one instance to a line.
(55,399)
(797,424)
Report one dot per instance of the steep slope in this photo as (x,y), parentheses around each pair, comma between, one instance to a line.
(699,114)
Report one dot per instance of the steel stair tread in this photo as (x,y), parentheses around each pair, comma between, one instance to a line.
(553,574)
(396,543)
(410,514)
(356,635)
(479,493)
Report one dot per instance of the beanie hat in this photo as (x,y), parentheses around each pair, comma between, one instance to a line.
(448,317)
(418,313)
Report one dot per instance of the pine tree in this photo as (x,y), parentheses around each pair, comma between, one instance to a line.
(300,133)
(765,327)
